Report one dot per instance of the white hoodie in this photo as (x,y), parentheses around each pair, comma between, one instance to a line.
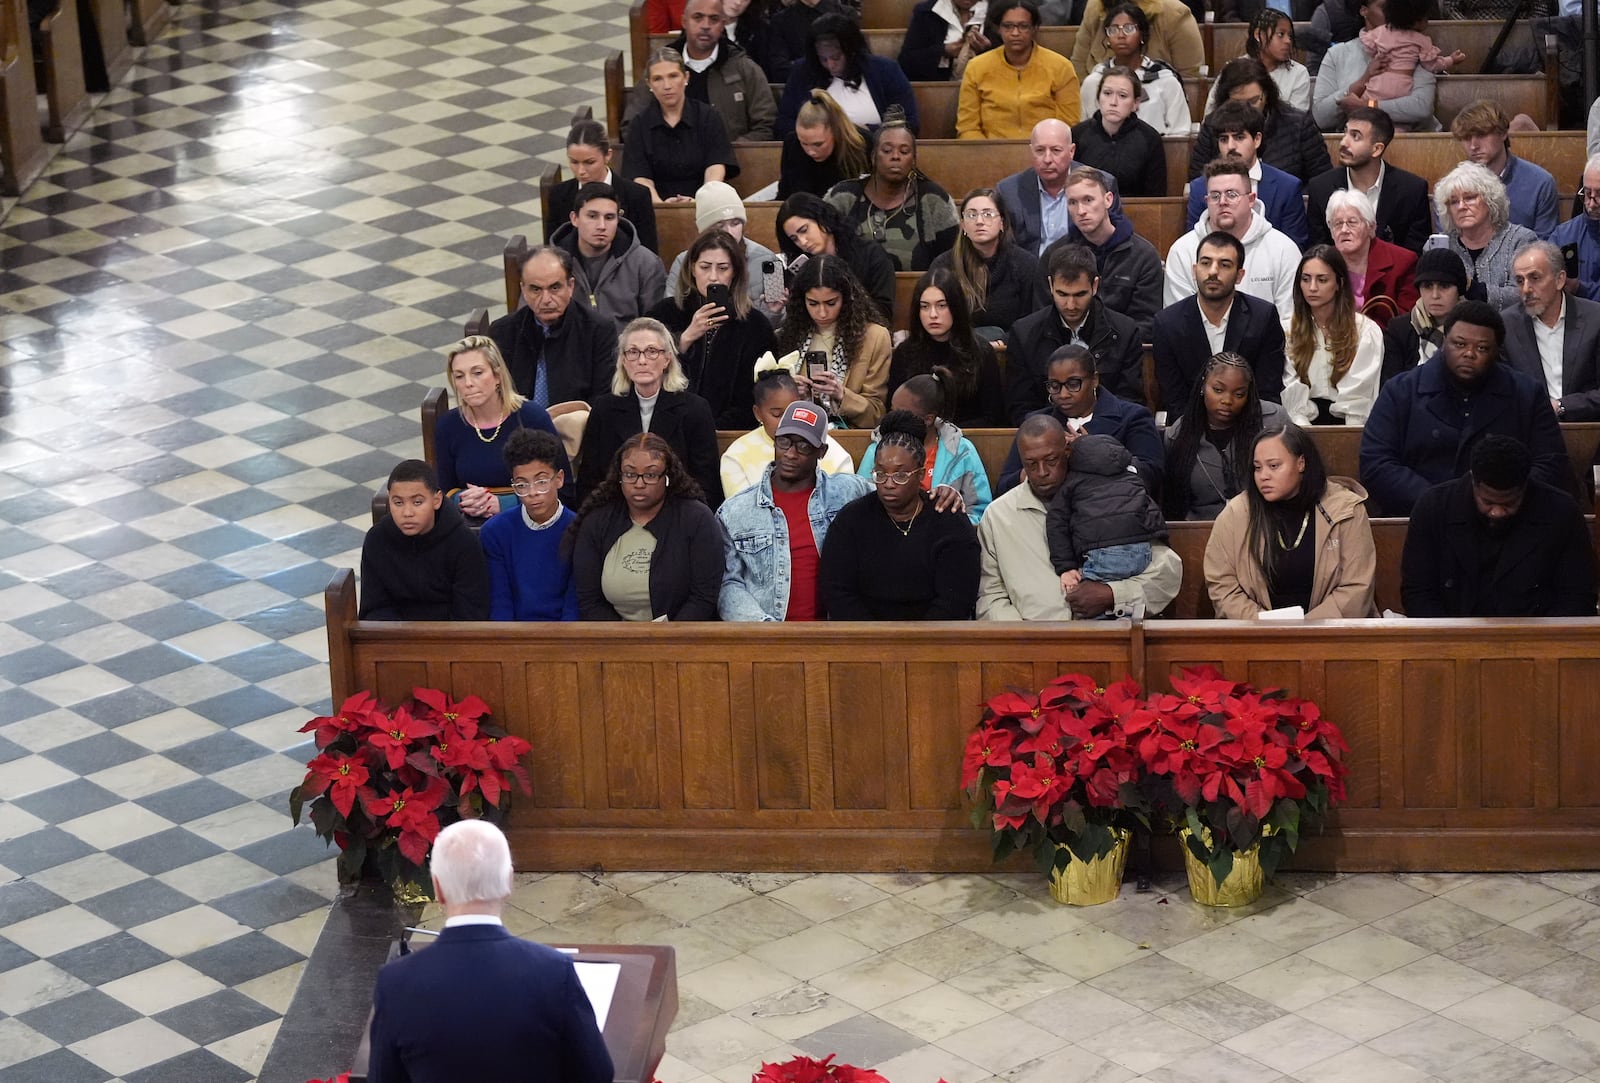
(1270,262)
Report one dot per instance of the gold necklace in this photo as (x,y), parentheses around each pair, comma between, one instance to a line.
(905,531)
(1305,521)
(476,431)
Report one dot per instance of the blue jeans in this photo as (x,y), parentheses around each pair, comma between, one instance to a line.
(1116,562)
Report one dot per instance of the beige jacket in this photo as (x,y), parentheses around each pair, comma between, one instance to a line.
(866,379)
(1017,581)
(1346,569)
(1174,36)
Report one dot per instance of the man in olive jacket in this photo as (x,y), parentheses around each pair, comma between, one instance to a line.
(720,74)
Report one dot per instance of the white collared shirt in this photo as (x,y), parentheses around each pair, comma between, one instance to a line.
(1216,332)
(1552,343)
(699,66)
(472,919)
(555,517)
(1377,186)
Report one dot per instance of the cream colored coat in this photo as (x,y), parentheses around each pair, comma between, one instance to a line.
(863,401)
(1346,568)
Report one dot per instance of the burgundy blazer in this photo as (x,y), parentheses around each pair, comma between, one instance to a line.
(1391,271)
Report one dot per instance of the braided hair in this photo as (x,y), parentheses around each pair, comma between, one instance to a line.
(1185,447)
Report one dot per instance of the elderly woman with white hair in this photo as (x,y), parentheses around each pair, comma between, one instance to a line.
(1472,205)
(650,393)
(1381,274)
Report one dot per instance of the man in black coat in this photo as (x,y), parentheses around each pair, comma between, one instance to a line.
(589,155)
(422,562)
(1216,318)
(556,351)
(1423,427)
(1404,216)
(1077,316)
(1498,543)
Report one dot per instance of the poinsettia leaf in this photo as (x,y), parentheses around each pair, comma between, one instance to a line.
(1221,864)
(295,801)
(324,817)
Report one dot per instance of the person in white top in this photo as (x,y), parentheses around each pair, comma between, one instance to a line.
(1335,354)
(1271,259)
(1271,41)
(1166,105)
(748,457)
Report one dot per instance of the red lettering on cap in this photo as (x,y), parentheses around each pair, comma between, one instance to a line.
(807,416)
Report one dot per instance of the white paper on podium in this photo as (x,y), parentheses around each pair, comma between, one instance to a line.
(599,981)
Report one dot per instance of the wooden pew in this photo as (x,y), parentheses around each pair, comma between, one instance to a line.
(150,18)
(1472,36)
(22,152)
(838,746)
(108,26)
(58,46)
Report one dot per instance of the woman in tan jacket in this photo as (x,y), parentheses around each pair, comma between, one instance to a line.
(830,321)
(1174,36)
(1294,537)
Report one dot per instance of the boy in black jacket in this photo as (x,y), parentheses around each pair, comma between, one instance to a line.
(1101,521)
(422,562)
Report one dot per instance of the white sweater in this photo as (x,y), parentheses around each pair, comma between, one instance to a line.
(1270,262)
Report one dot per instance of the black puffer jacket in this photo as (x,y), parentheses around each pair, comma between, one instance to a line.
(1102,503)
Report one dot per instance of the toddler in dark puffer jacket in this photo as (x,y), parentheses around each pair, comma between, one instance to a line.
(1101,522)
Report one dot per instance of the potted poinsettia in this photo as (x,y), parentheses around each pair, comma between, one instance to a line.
(811,1070)
(1055,775)
(1244,772)
(385,783)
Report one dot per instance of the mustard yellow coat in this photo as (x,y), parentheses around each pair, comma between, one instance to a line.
(1002,102)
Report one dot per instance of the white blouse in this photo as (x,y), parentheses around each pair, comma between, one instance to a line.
(1294,86)
(1353,398)
(1166,109)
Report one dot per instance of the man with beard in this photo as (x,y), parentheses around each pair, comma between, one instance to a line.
(1017,581)
(1217,317)
(1581,235)
(1427,420)
(1552,337)
(1400,199)
(1497,543)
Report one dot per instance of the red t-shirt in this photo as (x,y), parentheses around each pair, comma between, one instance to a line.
(804,602)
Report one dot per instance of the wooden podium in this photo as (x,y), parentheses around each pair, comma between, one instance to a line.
(642,1008)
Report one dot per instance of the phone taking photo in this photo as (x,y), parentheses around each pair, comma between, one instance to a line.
(816,364)
(719,294)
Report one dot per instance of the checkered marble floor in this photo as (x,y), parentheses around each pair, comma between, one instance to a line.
(218,312)
(219,309)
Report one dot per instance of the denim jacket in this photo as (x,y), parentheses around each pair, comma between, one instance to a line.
(755,584)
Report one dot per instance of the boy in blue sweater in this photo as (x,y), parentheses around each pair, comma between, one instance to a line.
(528,579)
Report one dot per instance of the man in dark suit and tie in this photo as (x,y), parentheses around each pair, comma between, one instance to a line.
(1216,318)
(481,1004)
(1404,217)
(1553,335)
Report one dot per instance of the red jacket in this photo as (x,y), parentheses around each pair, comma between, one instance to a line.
(1391,271)
(664,16)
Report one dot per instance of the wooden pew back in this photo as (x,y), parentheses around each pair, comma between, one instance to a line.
(1472,36)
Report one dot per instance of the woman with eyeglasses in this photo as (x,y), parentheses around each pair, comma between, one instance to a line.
(1271,41)
(892,555)
(1082,405)
(1475,211)
(529,578)
(1290,139)
(844,353)
(1381,274)
(1165,104)
(644,546)
(1208,461)
(950,458)
(469,441)
(1171,35)
(895,205)
(943,343)
(1294,537)
(720,333)
(650,393)
(1334,353)
(999,280)
(1116,140)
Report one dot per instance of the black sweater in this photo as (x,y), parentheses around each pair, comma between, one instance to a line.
(983,408)
(1016,285)
(685,571)
(1134,156)
(799,172)
(724,375)
(870,571)
(440,575)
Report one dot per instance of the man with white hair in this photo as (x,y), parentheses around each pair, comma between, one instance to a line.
(481,1003)
(1554,337)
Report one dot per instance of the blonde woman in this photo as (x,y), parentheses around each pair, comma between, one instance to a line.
(676,143)
(1334,354)
(649,393)
(825,148)
(469,441)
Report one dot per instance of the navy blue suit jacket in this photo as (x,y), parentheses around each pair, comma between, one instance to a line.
(1415,438)
(1279,197)
(1181,349)
(483,1004)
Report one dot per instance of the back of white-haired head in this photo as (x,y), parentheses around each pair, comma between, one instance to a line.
(472,863)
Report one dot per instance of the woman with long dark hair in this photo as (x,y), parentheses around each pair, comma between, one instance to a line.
(717,344)
(1289,137)
(1000,280)
(645,546)
(830,315)
(825,148)
(839,61)
(808,226)
(1335,353)
(1294,537)
(1208,448)
(895,205)
(1270,40)
(942,342)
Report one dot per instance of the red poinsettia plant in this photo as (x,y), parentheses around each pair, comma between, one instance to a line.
(1057,769)
(1239,766)
(811,1070)
(385,783)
